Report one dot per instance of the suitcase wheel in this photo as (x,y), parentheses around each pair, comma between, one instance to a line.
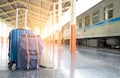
(10,64)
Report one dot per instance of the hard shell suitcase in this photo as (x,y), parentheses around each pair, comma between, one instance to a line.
(29,52)
(13,44)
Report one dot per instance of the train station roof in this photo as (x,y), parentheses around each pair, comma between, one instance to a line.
(38,11)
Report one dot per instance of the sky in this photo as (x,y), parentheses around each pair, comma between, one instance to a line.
(83,5)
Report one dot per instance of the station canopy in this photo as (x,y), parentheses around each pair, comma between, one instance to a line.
(38,12)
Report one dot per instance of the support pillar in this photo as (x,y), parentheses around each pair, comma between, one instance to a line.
(16,18)
(59,32)
(25,18)
(73,27)
(73,40)
(54,22)
(59,19)
(60,39)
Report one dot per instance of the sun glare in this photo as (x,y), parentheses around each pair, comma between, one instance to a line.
(81,6)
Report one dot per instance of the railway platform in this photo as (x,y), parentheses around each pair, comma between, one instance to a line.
(57,21)
(55,63)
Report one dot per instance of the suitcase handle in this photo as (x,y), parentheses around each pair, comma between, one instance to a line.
(37,52)
(28,53)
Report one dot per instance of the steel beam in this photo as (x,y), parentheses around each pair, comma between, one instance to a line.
(7,4)
(38,14)
(3,13)
(36,21)
(11,17)
(29,21)
(29,15)
(33,5)
(31,24)
(22,2)
(47,1)
(62,9)
(36,18)
(13,21)
(8,23)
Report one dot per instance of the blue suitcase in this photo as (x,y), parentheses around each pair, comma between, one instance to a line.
(13,44)
(29,52)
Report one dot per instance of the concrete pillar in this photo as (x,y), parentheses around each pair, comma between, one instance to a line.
(50,29)
(59,19)
(54,22)
(59,32)
(73,27)
(73,40)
